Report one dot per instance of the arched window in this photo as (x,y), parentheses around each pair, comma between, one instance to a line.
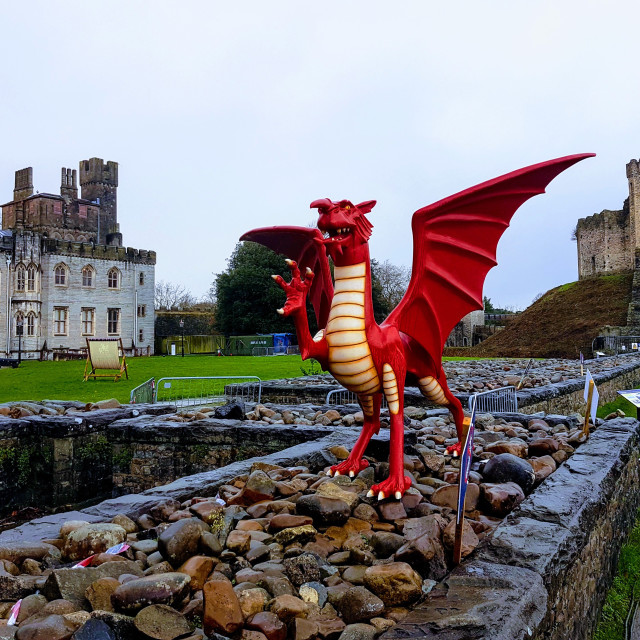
(19,324)
(60,275)
(141,278)
(21,273)
(113,278)
(31,324)
(31,277)
(88,276)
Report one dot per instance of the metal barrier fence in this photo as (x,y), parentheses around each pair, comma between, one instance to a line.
(143,393)
(276,351)
(500,400)
(344,396)
(208,390)
(615,345)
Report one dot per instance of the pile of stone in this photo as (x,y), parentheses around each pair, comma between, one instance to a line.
(23,408)
(470,376)
(280,552)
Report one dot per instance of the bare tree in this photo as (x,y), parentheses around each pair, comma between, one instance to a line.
(170,296)
(394,281)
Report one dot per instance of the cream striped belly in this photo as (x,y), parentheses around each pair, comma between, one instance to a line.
(350,359)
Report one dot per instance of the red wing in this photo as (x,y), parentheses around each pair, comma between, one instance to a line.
(454,246)
(300,244)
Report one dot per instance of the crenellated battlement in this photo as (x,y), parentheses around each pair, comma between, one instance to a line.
(99,251)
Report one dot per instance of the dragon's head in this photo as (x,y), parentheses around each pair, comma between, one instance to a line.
(344,225)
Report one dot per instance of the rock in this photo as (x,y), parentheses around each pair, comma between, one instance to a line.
(396,584)
(234,410)
(198,569)
(508,446)
(359,604)
(301,569)
(288,607)
(469,538)
(163,510)
(111,403)
(125,522)
(359,631)
(268,623)
(385,543)
(161,622)
(165,588)
(332,490)
(259,487)
(501,499)
(304,629)
(506,467)
(15,587)
(392,510)
(324,511)
(94,629)
(17,552)
(298,534)
(314,593)
(99,593)
(433,461)
(252,601)
(92,538)
(543,467)
(340,452)
(207,511)
(366,512)
(543,446)
(238,542)
(53,627)
(287,521)
(31,605)
(179,541)
(71,584)
(447,496)
(426,553)
(222,612)
(329,627)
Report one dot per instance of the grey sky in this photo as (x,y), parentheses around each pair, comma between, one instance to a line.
(230,116)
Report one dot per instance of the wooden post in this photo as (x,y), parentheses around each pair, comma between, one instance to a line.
(587,415)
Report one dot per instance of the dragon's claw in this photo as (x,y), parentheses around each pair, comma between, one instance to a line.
(349,467)
(455,449)
(395,486)
(370,493)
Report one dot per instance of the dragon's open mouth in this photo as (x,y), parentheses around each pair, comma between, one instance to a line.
(337,235)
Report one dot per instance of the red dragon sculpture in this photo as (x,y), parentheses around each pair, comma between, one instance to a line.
(454,246)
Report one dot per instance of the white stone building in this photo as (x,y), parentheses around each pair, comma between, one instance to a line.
(64,274)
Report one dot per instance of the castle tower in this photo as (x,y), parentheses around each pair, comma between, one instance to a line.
(24,184)
(633,175)
(99,182)
(69,184)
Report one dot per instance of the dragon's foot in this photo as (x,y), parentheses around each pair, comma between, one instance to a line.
(393,486)
(455,449)
(349,467)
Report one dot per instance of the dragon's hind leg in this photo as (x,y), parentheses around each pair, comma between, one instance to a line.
(437,390)
(355,462)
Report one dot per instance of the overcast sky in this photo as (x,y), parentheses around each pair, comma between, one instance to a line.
(228,116)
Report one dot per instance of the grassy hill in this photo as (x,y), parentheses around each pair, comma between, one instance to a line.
(563,322)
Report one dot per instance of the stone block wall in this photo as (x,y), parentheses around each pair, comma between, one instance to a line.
(544,571)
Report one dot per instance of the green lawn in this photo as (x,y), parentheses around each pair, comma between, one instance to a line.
(35,380)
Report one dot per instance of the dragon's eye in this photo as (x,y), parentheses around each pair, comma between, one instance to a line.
(347,207)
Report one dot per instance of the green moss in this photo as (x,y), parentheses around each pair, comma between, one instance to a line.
(95,450)
(199,452)
(17,463)
(122,459)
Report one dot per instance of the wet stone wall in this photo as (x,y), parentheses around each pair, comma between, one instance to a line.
(544,571)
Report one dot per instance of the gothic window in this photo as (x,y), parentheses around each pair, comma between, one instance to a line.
(87,318)
(140,335)
(19,327)
(88,279)
(31,277)
(60,275)
(20,277)
(142,310)
(60,321)
(113,322)
(141,278)
(113,278)
(31,324)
